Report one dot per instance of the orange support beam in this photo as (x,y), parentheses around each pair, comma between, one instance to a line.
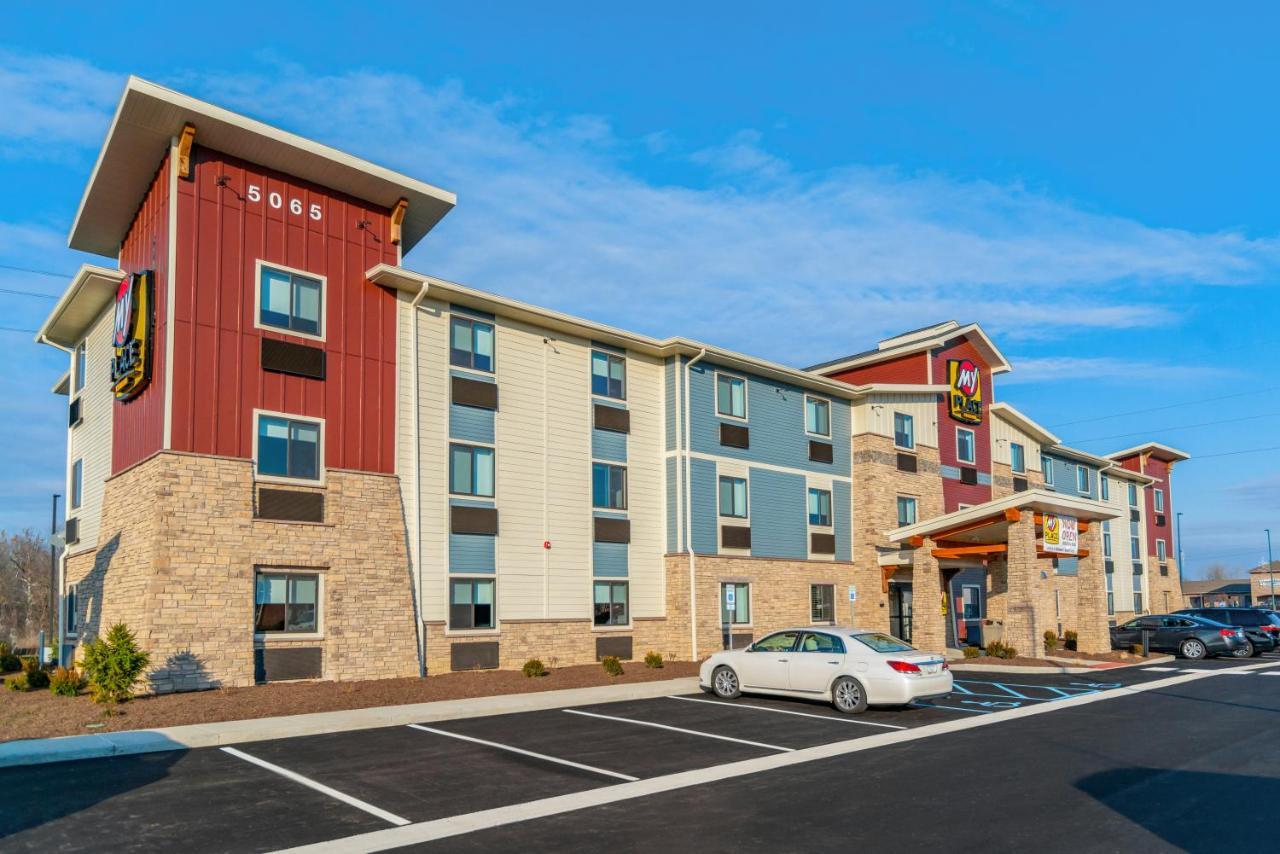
(886,572)
(185,142)
(397,219)
(1012,514)
(1081,553)
(1081,524)
(970,551)
(915,542)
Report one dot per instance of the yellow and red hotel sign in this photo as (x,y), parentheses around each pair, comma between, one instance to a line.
(131,338)
(965,394)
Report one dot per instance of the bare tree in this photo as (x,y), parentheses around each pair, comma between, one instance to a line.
(24,587)
(1216,572)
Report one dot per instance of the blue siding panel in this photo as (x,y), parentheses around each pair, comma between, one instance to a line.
(608,445)
(779,515)
(673,523)
(469,424)
(703,502)
(472,553)
(609,559)
(842,510)
(1064,477)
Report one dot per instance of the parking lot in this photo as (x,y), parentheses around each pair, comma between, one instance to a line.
(292,792)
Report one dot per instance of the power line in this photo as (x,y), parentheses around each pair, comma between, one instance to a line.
(26,293)
(1234,453)
(35,272)
(1179,427)
(16,329)
(1177,405)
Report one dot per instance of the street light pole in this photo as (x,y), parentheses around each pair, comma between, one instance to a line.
(1178,517)
(53,577)
(1271,568)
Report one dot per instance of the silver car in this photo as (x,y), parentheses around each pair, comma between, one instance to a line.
(851,668)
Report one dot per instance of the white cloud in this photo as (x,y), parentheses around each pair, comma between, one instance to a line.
(50,101)
(1032,369)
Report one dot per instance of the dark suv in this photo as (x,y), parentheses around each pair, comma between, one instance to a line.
(1261,626)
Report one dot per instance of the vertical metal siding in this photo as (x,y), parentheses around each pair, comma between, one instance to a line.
(955,493)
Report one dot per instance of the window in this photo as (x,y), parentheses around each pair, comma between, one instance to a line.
(780,642)
(77,483)
(608,375)
(906,511)
(1133,495)
(822,603)
(289,301)
(288,448)
(471,603)
(818,642)
(1082,479)
(1137,592)
(1105,483)
(70,600)
(471,344)
(81,368)
(285,602)
(471,470)
(1106,539)
(904,431)
(964,445)
(817,416)
(1047,464)
(1111,596)
(1017,458)
(1157,497)
(731,396)
(881,642)
(608,486)
(611,603)
(1161,550)
(971,599)
(1135,548)
(733,497)
(819,507)
(735,605)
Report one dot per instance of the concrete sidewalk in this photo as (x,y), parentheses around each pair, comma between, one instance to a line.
(38,751)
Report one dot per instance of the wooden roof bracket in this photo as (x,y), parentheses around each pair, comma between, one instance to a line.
(185,141)
(886,572)
(397,220)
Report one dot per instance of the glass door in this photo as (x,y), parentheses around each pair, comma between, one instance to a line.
(900,611)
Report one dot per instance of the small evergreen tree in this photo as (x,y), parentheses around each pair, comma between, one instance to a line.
(114,665)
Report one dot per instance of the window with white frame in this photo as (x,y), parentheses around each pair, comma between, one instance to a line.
(965,446)
(906,510)
(1135,547)
(71,618)
(77,483)
(288,447)
(1161,550)
(610,598)
(733,497)
(1133,495)
(1111,595)
(81,368)
(904,431)
(1082,479)
(471,343)
(1106,538)
(817,416)
(1137,588)
(1017,458)
(471,470)
(822,603)
(1105,485)
(608,375)
(1157,498)
(286,602)
(290,302)
(471,603)
(1046,464)
(608,486)
(735,603)
(820,507)
(731,396)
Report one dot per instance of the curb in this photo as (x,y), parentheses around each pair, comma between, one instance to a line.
(39,751)
(996,668)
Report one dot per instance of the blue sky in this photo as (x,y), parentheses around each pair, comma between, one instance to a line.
(1093,183)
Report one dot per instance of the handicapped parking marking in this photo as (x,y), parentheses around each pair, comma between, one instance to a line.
(1019,691)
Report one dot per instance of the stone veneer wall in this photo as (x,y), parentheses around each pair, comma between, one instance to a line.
(1161,587)
(1002,480)
(176,559)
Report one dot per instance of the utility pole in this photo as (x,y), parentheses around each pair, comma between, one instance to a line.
(1271,568)
(53,576)
(1178,519)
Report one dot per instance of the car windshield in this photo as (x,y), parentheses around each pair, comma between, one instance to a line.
(883,643)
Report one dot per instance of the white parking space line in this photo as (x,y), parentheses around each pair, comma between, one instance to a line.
(530,753)
(679,729)
(319,787)
(1235,673)
(1272,673)
(1160,669)
(784,712)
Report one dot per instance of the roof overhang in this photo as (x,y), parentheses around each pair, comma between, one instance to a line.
(922,342)
(63,385)
(1034,500)
(91,290)
(409,281)
(902,388)
(1152,449)
(1079,455)
(1123,473)
(1013,416)
(149,117)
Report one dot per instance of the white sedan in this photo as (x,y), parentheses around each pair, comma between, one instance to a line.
(850,668)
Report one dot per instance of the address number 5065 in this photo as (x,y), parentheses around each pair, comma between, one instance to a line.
(276,201)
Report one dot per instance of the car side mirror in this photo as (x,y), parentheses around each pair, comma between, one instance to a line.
(750,648)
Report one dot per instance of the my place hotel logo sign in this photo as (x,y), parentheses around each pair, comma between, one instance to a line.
(131,365)
(965,394)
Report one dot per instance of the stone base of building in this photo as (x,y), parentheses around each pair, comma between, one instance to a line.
(176,561)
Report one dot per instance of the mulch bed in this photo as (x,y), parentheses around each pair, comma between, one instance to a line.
(1020,661)
(1115,656)
(42,714)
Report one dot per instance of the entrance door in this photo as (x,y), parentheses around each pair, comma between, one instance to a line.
(900,611)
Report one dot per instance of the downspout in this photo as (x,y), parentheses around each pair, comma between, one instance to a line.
(688,511)
(58,569)
(417,476)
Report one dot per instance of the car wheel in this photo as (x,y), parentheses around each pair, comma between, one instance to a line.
(1246,651)
(724,682)
(848,696)
(1193,649)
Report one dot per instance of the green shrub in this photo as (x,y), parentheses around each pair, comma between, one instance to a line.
(66,682)
(114,665)
(1136,649)
(1050,640)
(611,665)
(36,679)
(1070,636)
(653,660)
(9,662)
(19,683)
(999,649)
(29,663)
(534,667)
(972,652)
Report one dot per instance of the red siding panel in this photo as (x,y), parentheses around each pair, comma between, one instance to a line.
(217,381)
(912,368)
(955,493)
(138,428)
(1160,470)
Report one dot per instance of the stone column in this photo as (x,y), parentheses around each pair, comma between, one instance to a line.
(928,626)
(1029,600)
(1091,591)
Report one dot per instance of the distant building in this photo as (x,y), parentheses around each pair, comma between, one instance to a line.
(1261,588)
(1217,593)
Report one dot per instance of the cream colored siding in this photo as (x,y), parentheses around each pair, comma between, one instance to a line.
(1002,434)
(1122,580)
(874,414)
(91,441)
(647,489)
